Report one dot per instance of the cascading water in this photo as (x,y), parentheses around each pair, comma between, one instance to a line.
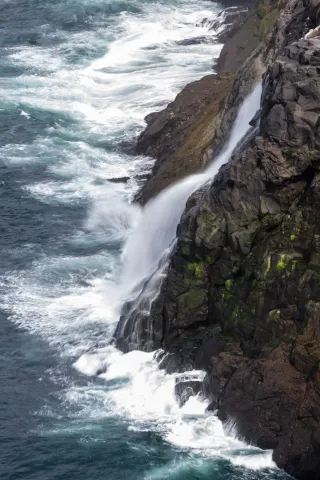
(143,272)
(156,228)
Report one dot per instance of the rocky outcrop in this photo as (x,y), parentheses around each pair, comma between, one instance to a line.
(228,22)
(247,260)
(259,23)
(180,135)
(191,130)
(241,297)
(184,136)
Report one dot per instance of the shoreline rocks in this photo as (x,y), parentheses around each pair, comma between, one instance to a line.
(241,295)
(229,21)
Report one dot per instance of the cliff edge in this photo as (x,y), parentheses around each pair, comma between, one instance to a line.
(241,294)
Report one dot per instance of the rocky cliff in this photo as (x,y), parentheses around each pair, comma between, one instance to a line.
(189,131)
(241,295)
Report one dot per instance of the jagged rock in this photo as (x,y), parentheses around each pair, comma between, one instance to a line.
(186,388)
(228,22)
(247,264)
(241,297)
(119,179)
(221,369)
(197,40)
(264,401)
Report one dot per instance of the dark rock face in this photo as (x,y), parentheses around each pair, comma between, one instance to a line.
(246,268)
(264,403)
(251,244)
(241,296)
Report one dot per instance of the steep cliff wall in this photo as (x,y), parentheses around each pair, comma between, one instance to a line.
(190,131)
(247,264)
(241,295)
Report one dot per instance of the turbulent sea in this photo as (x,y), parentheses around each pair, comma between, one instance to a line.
(77,79)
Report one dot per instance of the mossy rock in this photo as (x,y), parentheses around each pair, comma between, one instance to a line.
(267,23)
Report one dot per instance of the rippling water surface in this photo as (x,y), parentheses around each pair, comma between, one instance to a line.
(77,78)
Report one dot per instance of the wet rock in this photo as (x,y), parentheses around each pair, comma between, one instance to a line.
(220,371)
(241,296)
(185,388)
(228,22)
(264,403)
(256,119)
(197,40)
(119,179)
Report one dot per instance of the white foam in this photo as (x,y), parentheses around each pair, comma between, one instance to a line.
(90,365)
(49,301)
(255,461)
(102,100)
(114,218)
(24,114)
(146,399)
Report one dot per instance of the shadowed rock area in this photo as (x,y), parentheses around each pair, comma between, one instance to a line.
(185,136)
(241,294)
(247,261)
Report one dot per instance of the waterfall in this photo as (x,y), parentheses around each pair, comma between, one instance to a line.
(156,230)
